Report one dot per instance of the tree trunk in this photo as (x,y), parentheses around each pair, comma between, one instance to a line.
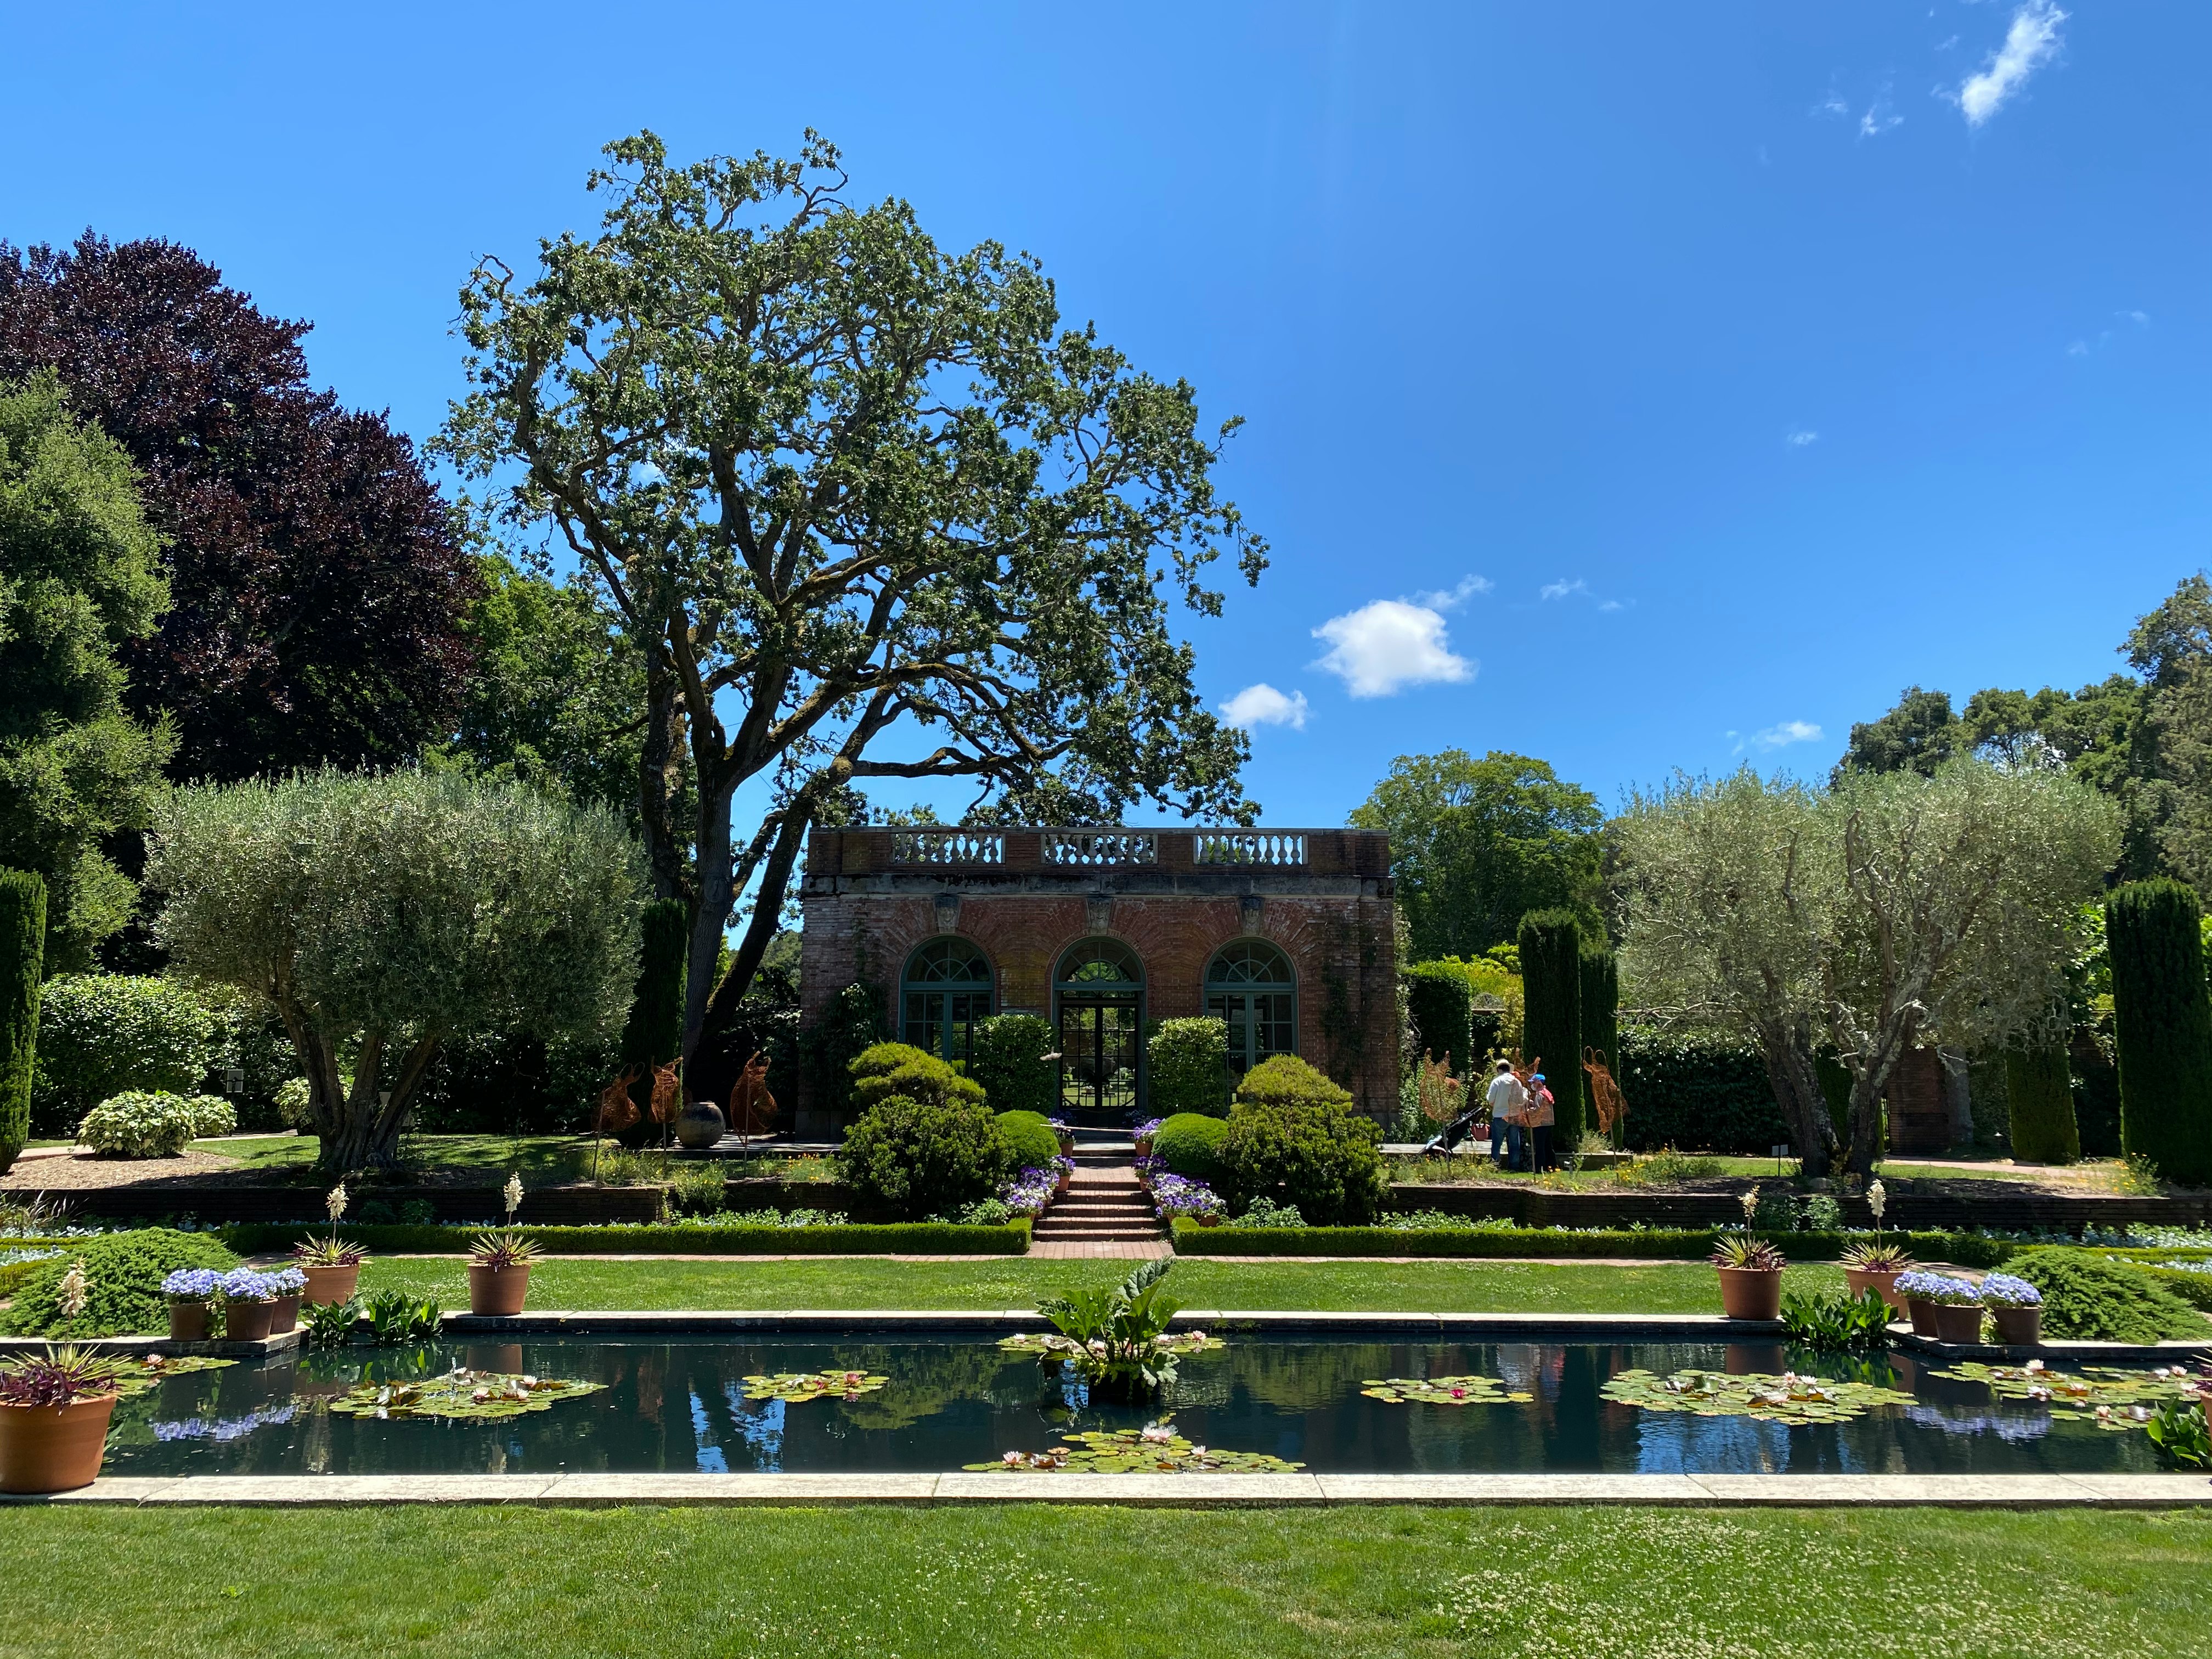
(1870,1068)
(658,777)
(1796,1083)
(364,1132)
(760,931)
(715,898)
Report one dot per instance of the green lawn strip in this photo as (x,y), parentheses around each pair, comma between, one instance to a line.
(1048,1581)
(995,1282)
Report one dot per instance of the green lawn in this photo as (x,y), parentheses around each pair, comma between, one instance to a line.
(1003,1282)
(2094,1174)
(542,1159)
(1046,1581)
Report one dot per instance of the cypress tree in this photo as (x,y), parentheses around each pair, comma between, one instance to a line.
(2039,1101)
(654,1035)
(22,950)
(2163,1023)
(1442,1007)
(1551,1024)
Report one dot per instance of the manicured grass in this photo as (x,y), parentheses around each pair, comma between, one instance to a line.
(2094,1175)
(998,1282)
(1048,1581)
(541,1158)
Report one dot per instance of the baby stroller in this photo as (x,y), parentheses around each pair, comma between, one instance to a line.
(1457,1130)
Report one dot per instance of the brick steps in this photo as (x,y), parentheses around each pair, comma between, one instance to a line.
(1104,1205)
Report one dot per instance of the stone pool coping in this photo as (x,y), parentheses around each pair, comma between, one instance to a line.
(1177,1490)
(1463,1327)
(261,1348)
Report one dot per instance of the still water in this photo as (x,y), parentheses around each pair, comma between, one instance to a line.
(679,1406)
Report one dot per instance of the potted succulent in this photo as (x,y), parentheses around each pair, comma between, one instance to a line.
(2015,1307)
(192,1293)
(333,1265)
(1750,1269)
(290,1285)
(54,1412)
(499,1273)
(249,1306)
(1875,1267)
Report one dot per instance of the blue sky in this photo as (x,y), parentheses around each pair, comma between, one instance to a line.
(1797,352)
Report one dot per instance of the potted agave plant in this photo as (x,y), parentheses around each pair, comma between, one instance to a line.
(249,1304)
(191,1292)
(55,1408)
(333,1265)
(499,1273)
(1875,1267)
(1750,1269)
(2015,1307)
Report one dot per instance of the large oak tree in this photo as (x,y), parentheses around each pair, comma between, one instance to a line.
(865,508)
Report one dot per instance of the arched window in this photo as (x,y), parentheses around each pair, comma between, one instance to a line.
(1249,984)
(945,990)
(1099,986)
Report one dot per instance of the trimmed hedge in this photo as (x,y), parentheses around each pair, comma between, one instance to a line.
(1186,1066)
(2039,1105)
(1189,1144)
(104,1035)
(1441,1005)
(1005,1057)
(22,948)
(2162,1022)
(895,1238)
(1031,1137)
(1696,1094)
(1687,1244)
(1551,1021)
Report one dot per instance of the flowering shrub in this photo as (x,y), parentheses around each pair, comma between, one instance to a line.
(1174,1195)
(138,1125)
(191,1284)
(2003,1291)
(1940,1288)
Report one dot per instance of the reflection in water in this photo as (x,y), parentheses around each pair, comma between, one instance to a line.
(680,1405)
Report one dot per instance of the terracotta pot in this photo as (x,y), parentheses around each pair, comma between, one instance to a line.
(2018,1327)
(332,1284)
(1958,1324)
(1750,1292)
(53,1447)
(497,1292)
(1143,1148)
(701,1126)
(188,1322)
(1068,1145)
(1860,1283)
(246,1321)
(284,1314)
(1060,1186)
(1207,1220)
(1923,1313)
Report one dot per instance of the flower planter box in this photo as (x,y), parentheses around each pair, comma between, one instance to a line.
(497,1292)
(188,1322)
(53,1447)
(2018,1327)
(1922,1312)
(332,1284)
(1956,1322)
(247,1321)
(1750,1293)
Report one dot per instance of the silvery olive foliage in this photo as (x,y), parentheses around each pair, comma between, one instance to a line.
(381,914)
(1887,910)
(866,507)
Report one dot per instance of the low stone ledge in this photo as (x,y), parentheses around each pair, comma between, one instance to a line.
(263,1348)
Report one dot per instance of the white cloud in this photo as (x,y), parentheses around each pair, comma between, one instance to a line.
(2140,319)
(1780,737)
(1561,588)
(1451,598)
(2031,39)
(1878,120)
(2078,349)
(1833,104)
(1798,437)
(1612,605)
(1382,649)
(1262,705)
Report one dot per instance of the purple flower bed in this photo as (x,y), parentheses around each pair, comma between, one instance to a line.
(1174,1195)
(1029,1192)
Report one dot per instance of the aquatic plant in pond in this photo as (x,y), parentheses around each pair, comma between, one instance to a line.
(460,1393)
(137,1374)
(1113,1337)
(2105,1396)
(1469,1390)
(796,1387)
(1788,1398)
(1156,1449)
(1835,1323)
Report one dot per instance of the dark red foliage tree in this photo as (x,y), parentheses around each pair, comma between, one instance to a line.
(318,583)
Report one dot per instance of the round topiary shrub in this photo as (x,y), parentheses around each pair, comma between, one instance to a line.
(123,1274)
(139,1125)
(2089,1298)
(1007,1060)
(1293,1138)
(102,1035)
(915,1158)
(1189,1143)
(1188,1061)
(1031,1138)
(885,1069)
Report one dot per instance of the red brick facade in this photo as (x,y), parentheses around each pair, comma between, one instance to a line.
(1173,897)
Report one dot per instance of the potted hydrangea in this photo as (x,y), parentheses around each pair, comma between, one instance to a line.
(1750,1270)
(191,1292)
(333,1265)
(1875,1267)
(290,1285)
(1941,1306)
(2015,1307)
(499,1273)
(249,1304)
(55,1408)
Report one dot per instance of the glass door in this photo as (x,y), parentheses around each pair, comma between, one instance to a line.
(1098,1057)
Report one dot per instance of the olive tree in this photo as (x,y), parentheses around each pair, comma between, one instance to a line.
(865,508)
(1892,909)
(380,915)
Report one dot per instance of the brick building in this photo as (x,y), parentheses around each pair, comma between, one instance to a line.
(1286,934)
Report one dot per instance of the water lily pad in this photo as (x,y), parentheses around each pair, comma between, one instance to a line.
(1049,1342)
(798,1387)
(2106,1396)
(140,1372)
(1789,1398)
(1154,1449)
(1442,1390)
(464,1394)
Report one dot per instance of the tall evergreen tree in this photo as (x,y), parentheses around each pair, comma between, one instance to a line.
(1551,1024)
(2162,1020)
(23,939)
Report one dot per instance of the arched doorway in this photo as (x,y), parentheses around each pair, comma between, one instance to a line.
(1099,986)
(1249,985)
(945,989)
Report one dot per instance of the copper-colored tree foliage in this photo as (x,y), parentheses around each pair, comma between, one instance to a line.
(752,1107)
(318,584)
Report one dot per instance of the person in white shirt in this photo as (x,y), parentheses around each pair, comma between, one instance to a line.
(1508,1099)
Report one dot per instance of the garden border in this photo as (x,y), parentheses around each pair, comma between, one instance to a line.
(621,1239)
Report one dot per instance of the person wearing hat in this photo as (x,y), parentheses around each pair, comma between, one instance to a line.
(1507,1099)
(1539,1117)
